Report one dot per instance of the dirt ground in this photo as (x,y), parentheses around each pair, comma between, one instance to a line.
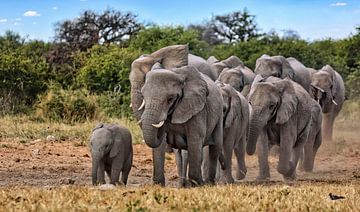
(60,163)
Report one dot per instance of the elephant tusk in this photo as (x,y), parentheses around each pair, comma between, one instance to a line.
(142,105)
(333,101)
(317,87)
(130,105)
(160,124)
(139,122)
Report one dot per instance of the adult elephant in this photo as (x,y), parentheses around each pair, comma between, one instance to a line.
(281,115)
(281,67)
(185,103)
(170,57)
(329,90)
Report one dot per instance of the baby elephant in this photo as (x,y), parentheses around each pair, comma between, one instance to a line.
(111,151)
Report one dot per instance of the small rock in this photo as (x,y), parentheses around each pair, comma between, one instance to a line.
(51,138)
(35,141)
(17,160)
(86,156)
(35,152)
(106,187)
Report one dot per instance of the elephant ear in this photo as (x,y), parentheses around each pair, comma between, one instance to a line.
(332,73)
(116,135)
(194,94)
(258,78)
(288,102)
(234,106)
(233,62)
(212,59)
(157,66)
(172,56)
(286,69)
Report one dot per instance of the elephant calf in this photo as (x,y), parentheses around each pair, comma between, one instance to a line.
(111,151)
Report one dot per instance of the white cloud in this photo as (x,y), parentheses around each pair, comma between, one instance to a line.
(2,21)
(338,4)
(55,8)
(31,13)
(18,19)
(34,23)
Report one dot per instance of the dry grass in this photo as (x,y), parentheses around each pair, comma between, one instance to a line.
(314,197)
(23,129)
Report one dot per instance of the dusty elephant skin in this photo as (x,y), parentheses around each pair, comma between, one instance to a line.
(328,88)
(281,115)
(168,57)
(111,151)
(184,102)
(281,67)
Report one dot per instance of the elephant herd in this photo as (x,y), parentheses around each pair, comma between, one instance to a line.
(205,110)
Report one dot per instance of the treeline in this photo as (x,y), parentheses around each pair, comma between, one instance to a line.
(84,71)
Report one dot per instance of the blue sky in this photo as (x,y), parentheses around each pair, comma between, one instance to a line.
(312,19)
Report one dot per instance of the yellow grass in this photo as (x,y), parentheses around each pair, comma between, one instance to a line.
(308,197)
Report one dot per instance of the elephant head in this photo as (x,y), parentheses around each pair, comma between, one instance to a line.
(233,77)
(169,57)
(324,85)
(272,102)
(231,104)
(230,62)
(173,96)
(103,142)
(276,66)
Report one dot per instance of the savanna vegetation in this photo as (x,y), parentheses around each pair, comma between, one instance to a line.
(83,73)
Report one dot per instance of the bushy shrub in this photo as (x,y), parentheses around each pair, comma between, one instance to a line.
(67,105)
(115,104)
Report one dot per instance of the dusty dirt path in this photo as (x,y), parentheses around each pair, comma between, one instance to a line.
(60,163)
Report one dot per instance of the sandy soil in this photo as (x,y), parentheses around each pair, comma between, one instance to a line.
(61,163)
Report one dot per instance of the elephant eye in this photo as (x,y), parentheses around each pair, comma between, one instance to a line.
(271,106)
(170,99)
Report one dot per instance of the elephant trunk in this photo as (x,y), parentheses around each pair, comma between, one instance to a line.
(136,99)
(150,125)
(95,166)
(255,127)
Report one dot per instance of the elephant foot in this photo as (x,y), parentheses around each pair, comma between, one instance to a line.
(262,178)
(289,178)
(159,182)
(240,174)
(182,183)
(196,183)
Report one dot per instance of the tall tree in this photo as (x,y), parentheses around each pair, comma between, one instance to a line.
(91,28)
(236,26)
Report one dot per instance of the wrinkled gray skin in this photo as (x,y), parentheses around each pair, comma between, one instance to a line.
(111,152)
(281,115)
(279,66)
(314,139)
(328,88)
(183,102)
(232,71)
(170,57)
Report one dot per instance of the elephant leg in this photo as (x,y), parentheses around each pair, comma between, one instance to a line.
(195,155)
(291,175)
(215,151)
(116,167)
(287,139)
(158,164)
(309,162)
(263,154)
(126,170)
(180,163)
(101,172)
(184,156)
(307,159)
(205,162)
(327,126)
(240,157)
(228,151)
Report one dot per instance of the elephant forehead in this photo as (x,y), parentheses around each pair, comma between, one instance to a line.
(262,90)
(101,134)
(162,75)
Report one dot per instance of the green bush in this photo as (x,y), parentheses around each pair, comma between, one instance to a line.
(69,106)
(115,104)
(107,68)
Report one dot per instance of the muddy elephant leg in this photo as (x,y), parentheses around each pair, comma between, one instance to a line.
(101,172)
(309,160)
(327,125)
(240,157)
(194,154)
(158,164)
(228,150)
(126,170)
(263,154)
(214,152)
(287,139)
